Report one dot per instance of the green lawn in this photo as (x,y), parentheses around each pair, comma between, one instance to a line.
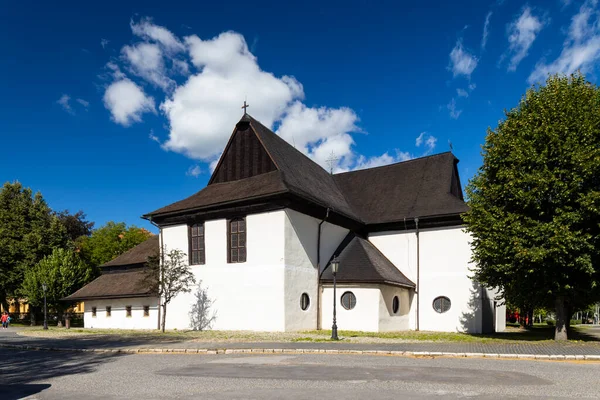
(535,334)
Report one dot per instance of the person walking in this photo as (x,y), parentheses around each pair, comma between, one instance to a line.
(4,320)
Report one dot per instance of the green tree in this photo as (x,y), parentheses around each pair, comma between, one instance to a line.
(63,272)
(110,241)
(535,202)
(28,232)
(168,274)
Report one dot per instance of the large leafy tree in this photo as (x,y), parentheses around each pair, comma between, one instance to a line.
(110,241)
(535,202)
(63,272)
(28,232)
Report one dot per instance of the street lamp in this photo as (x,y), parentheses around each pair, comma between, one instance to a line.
(44,288)
(335,264)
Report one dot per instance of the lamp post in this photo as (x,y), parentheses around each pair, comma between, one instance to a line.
(335,264)
(44,288)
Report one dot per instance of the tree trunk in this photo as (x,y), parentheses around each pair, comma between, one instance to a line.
(562,319)
(32,315)
(164,317)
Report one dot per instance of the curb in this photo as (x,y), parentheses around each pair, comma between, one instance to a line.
(553,357)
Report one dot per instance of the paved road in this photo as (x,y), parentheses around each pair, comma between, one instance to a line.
(51,375)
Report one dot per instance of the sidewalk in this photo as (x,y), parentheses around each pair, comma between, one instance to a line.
(114,343)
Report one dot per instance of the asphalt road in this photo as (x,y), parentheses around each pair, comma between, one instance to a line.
(64,375)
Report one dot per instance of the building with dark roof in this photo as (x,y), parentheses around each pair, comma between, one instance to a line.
(260,237)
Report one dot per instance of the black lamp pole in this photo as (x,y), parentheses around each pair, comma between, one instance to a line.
(334,269)
(44,287)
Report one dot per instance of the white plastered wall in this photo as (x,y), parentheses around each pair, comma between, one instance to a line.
(247,296)
(445,255)
(118,316)
(301,273)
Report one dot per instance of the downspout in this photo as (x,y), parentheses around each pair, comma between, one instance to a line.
(319,270)
(160,232)
(418,269)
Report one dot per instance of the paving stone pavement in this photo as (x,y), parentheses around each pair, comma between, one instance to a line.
(11,338)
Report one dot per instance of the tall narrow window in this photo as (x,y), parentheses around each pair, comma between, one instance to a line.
(108,310)
(94,312)
(128,311)
(237,240)
(197,255)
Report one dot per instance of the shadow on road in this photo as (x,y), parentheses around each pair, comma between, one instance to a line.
(19,368)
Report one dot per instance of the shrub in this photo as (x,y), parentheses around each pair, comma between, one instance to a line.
(575,321)
(550,322)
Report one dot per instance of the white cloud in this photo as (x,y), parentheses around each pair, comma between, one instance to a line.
(104,43)
(454,113)
(461,61)
(521,35)
(83,102)
(472,87)
(148,30)
(126,101)
(146,61)
(153,137)
(221,72)
(428,140)
(581,49)
(462,93)
(384,159)
(64,102)
(486,30)
(194,171)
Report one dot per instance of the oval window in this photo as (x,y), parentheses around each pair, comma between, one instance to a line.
(395,304)
(304,301)
(348,300)
(441,304)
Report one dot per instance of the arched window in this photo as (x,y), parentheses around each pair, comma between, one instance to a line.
(304,301)
(441,304)
(395,305)
(348,300)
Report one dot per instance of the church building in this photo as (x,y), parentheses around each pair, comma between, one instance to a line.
(261,235)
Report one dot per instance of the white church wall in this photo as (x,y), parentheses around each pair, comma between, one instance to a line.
(118,314)
(363,317)
(247,296)
(388,320)
(445,255)
(301,274)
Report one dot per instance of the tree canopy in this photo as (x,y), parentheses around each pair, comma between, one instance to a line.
(28,232)
(62,271)
(110,241)
(535,202)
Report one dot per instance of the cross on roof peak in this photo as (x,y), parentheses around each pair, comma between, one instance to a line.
(331,161)
(245,106)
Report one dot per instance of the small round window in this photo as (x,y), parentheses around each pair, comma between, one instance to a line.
(348,300)
(395,304)
(304,301)
(441,304)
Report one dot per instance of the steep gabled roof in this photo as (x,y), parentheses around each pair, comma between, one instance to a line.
(136,255)
(295,173)
(121,284)
(415,188)
(361,262)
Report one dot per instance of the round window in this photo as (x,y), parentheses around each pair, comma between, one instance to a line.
(348,300)
(304,301)
(395,304)
(441,304)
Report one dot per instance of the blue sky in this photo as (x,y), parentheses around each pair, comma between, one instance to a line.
(123,107)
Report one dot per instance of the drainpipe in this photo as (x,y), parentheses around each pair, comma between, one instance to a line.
(319,270)
(160,232)
(418,270)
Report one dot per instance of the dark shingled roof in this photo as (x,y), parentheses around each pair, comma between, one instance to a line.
(427,186)
(120,284)
(414,188)
(137,255)
(361,262)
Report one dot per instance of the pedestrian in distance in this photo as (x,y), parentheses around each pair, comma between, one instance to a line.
(4,319)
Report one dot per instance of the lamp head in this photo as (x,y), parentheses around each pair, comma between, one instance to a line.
(335,265)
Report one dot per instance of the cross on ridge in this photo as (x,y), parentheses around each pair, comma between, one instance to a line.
(245,106)
(332,160)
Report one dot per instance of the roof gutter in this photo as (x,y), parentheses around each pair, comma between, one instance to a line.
(319,272)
